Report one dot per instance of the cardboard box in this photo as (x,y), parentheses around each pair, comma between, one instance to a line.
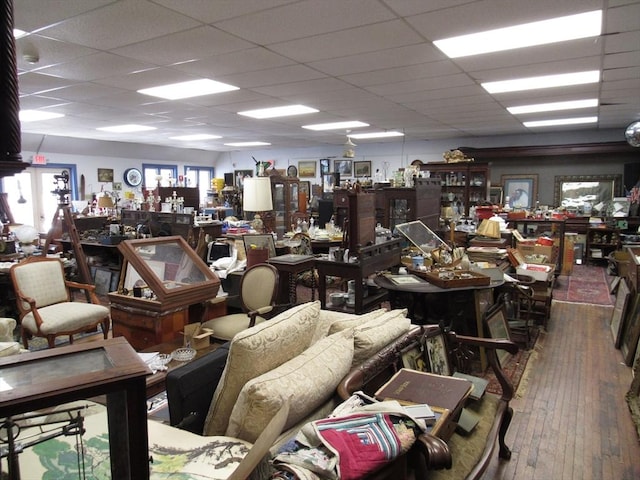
(196,335)
(549,252)
(539,272)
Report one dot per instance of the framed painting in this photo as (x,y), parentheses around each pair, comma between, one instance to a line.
(631,332)
(343,167)
(362,169)
(307,169)
(522,190)
(498,327)
(239,176)
(105,175)
(325,166)
(495,195)
(251,240)
(437,354)
(576,191)
(619,311)
(413,358)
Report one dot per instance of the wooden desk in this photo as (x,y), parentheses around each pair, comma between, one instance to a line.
(290,265)
(51,377)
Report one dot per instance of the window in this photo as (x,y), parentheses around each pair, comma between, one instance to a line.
(165,174)
(199,177)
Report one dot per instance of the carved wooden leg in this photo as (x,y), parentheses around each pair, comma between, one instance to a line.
(505,452)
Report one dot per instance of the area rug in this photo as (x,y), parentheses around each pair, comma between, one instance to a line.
(586,284)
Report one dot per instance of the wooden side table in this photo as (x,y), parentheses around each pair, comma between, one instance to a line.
(288,267)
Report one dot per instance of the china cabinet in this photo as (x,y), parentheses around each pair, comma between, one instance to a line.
(163,283)
(464,184)
(284,191)
(421,202)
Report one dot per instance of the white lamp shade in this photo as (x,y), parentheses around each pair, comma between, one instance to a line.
(257,195)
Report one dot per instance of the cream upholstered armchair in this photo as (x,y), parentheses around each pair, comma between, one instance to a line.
(45,305)
(258,291)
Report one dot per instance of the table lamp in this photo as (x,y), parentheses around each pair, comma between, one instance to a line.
(489,228)
(257,198)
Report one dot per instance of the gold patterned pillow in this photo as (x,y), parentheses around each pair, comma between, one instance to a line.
(378,332)
(258,350)
(309,380)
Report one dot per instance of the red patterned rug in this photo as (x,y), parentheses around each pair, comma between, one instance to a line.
(586,284)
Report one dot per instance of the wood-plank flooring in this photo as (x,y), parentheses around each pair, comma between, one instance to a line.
(572,421)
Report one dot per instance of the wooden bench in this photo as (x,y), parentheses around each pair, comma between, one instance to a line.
(460,456)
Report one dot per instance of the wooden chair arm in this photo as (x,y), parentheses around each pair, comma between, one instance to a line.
(90,290)
(491,345)
(32,307)
(432,454)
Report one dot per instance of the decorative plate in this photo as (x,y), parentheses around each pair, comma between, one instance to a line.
(132,177)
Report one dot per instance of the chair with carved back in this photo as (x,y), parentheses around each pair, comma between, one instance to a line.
(46,306)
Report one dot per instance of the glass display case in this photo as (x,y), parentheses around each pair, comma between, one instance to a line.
(284,191)
(163,284)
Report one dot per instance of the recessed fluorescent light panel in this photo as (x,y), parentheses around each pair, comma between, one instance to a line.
(17,33)
(561,29)
(37,115)
(275,112)
(391,133)
(193,88)
(336,125)
(199,136)
(247,144)
(546,81)
(128,128)
(560,121)
(555,106)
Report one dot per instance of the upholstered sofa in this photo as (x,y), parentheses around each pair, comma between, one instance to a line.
(298,357)
(8,345)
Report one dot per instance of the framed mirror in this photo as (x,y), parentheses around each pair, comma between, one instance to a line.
(595,191)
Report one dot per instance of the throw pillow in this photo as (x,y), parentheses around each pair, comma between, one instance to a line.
(371,337)
(355,320)
(308,380)
(258,350)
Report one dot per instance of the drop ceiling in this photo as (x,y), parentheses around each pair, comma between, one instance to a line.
(368,60)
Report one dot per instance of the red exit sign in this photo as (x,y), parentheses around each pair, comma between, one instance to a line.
(39,160)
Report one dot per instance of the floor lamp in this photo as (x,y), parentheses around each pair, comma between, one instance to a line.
(256,198)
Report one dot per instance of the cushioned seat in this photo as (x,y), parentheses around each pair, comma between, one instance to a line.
(7,344)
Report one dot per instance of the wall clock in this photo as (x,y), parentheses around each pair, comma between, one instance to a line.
(132,177)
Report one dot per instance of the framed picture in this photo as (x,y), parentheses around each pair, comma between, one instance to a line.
(259,241)
(495,195)
(307,169)
(497,327)
(362,169)
(619,311)
(631,332)
(522,190)
(437,354)
(343,167)
(105,175)
(305,187)
(413,358)
(325,166)
(574,191)
(328,183)
(239,176)
(102,281)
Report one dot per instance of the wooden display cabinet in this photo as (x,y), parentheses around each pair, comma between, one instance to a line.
(402,205)
(284,192)
(163,285)
(356,212)
(464,184)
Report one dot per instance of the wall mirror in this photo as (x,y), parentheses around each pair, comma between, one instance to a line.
(578,191)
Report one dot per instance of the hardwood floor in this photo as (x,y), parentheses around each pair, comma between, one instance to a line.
(572,422)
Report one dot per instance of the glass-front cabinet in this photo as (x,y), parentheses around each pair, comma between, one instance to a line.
(284,191)
(163,284)
(464,184)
